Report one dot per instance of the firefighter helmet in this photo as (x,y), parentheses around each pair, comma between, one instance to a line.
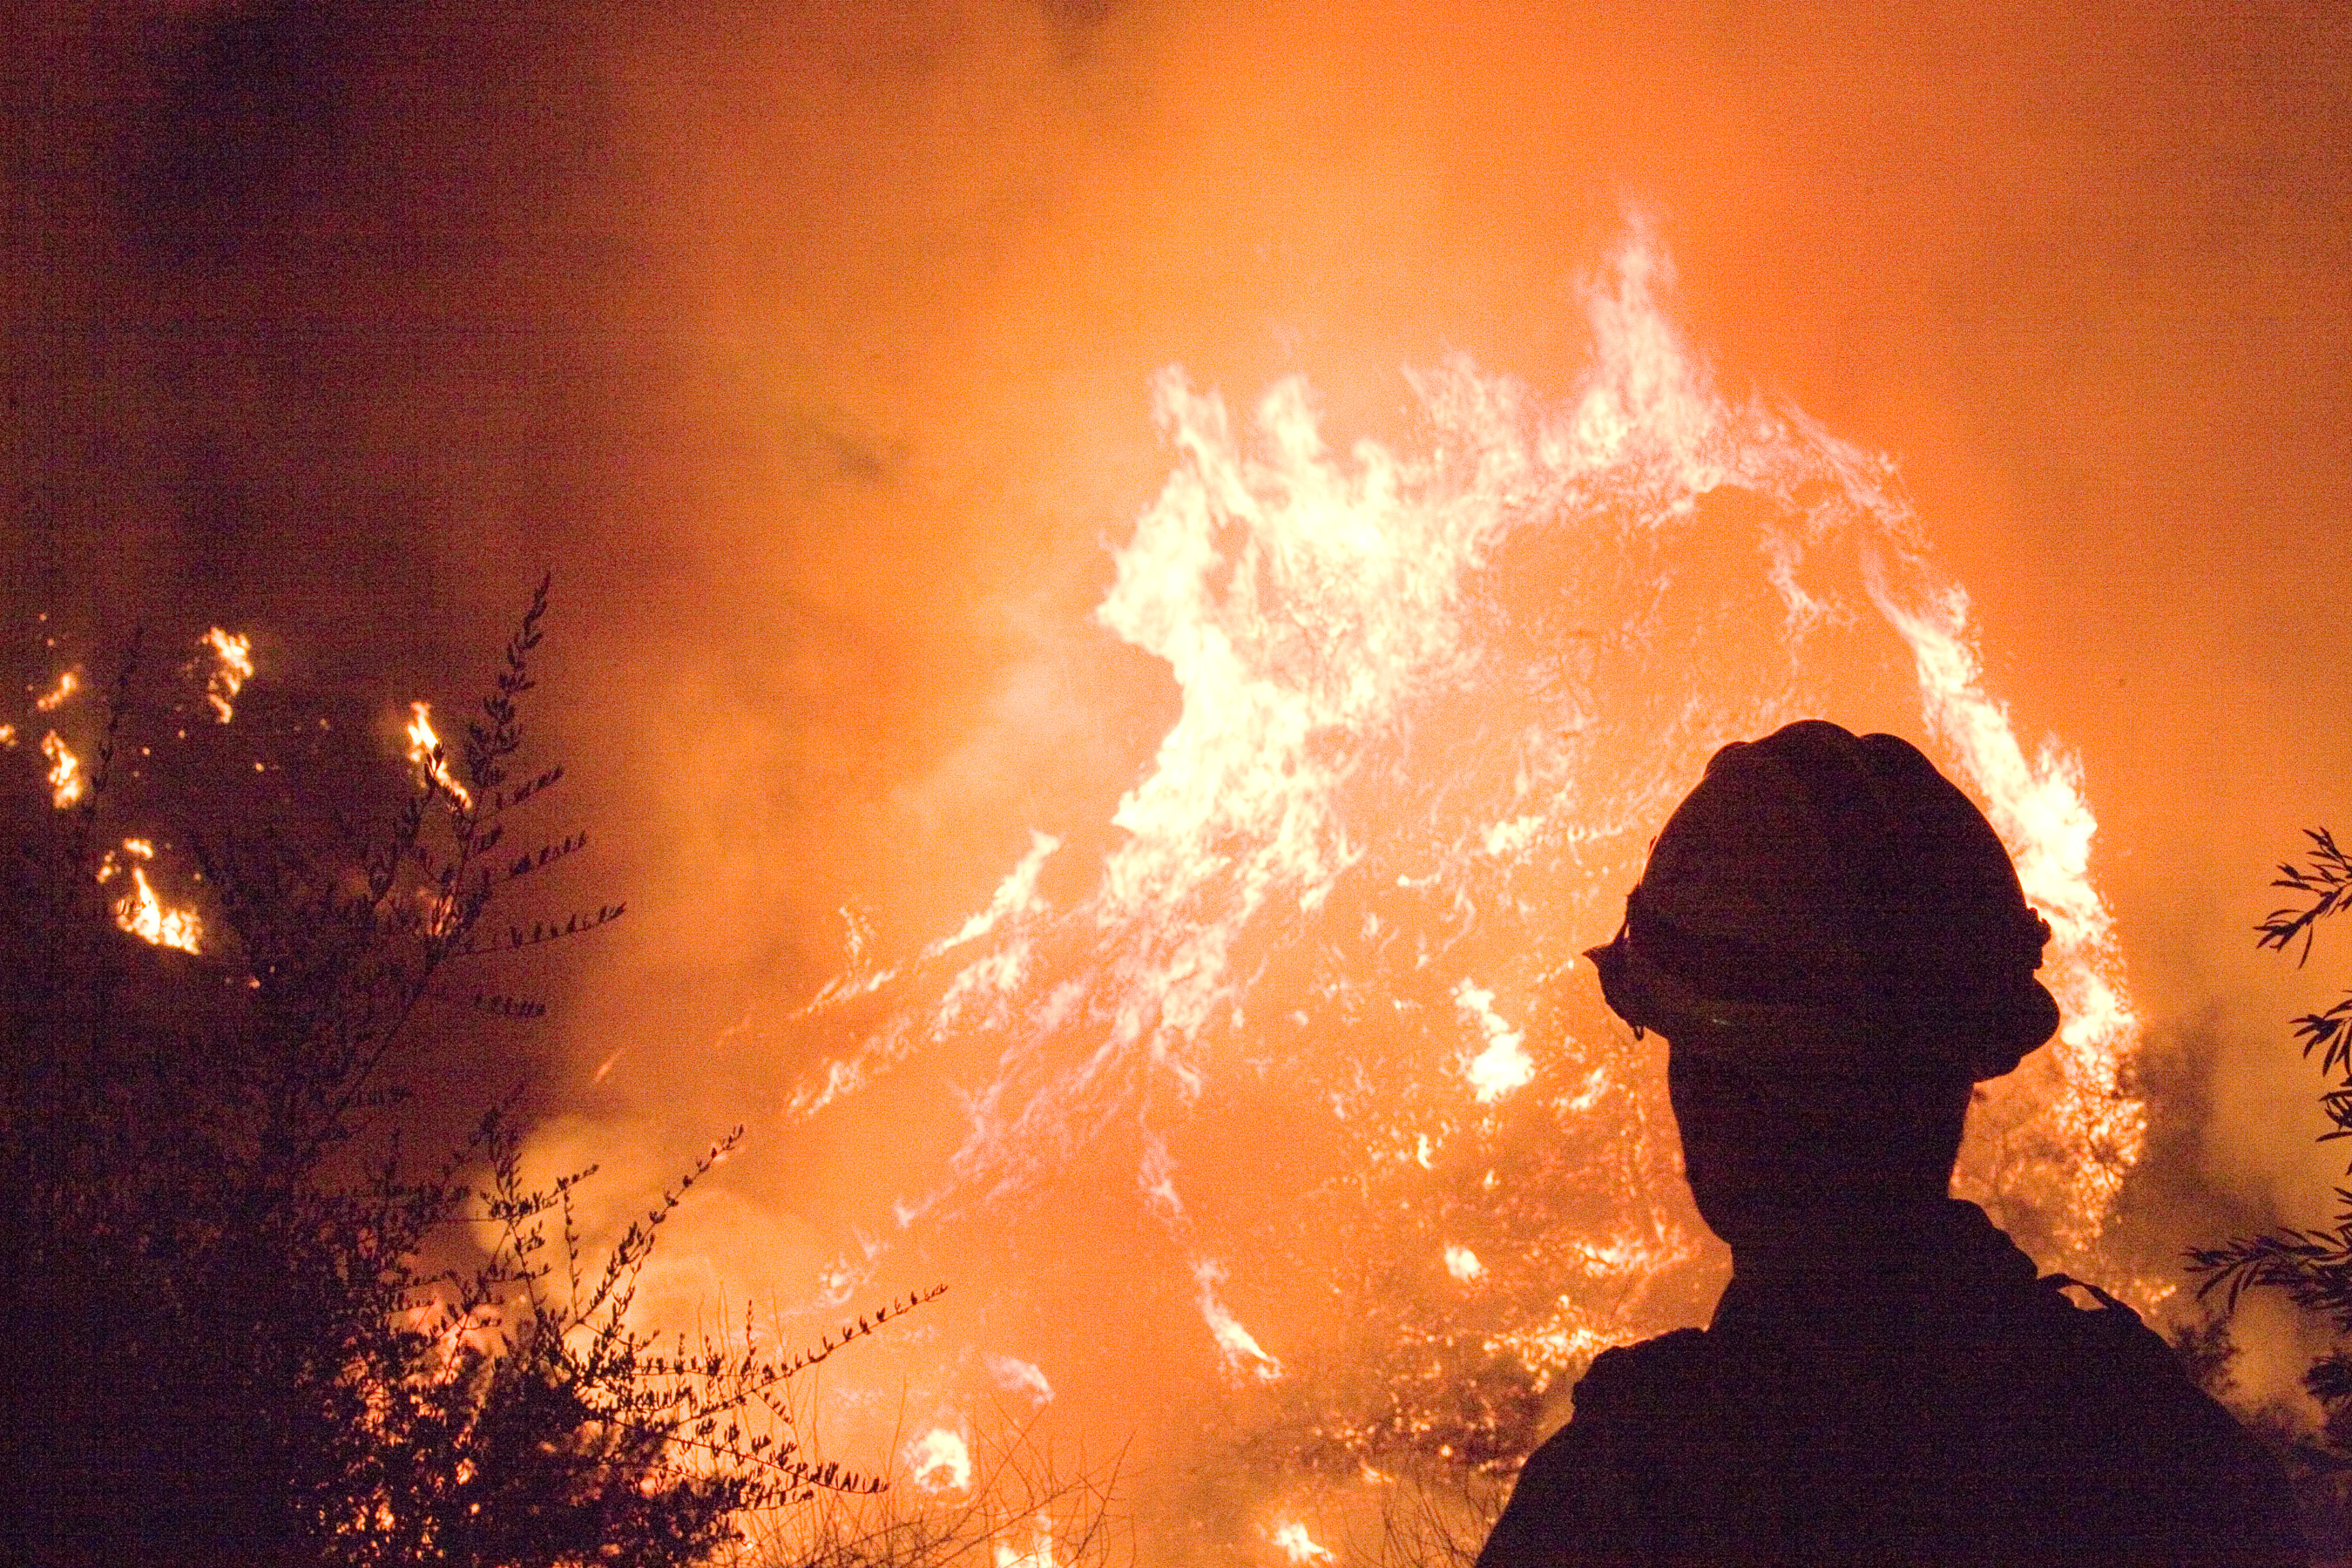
(1828,903)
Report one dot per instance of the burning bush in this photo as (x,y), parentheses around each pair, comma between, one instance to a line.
(222,1339)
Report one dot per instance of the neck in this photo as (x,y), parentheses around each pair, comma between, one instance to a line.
(1830,1236)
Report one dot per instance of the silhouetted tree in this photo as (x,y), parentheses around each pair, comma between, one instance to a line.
(221,1339)
(2314,1266)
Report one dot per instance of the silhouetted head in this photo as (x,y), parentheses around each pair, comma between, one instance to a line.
(1834,943)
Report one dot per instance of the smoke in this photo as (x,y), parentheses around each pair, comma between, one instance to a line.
(815,355)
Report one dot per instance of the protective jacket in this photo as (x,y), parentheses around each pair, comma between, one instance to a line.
(1919,1399)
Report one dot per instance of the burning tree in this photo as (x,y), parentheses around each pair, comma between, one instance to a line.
(223,1338)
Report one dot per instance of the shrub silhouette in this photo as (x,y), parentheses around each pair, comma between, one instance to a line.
(221,1341)
(2312,1268)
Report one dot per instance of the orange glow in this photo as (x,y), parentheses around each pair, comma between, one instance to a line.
(986,502)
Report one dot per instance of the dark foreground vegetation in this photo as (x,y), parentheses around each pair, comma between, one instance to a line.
(2312,1268)
(221,1339)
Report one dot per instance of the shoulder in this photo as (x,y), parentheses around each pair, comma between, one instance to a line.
(1586,1494)
(1650,1373)
(1626,1390)
(2168,1449)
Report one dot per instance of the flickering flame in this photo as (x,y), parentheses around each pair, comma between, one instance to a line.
(1297,1545)
(1238,1348)
(1036,1552)
(55,698)
(2038,809)
(1504,1065)
(1432,708)
(66,783)
(8,734)
(940,1461)
(144,916)
(1463,1263)
(1015,1376)
(425,750)
(233,667)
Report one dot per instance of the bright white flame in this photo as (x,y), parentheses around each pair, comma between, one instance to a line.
(1237,1348)
(1297,1545)
(1504,839)
(2038,809)
(1016,895)
(144,916)
(1503,1065)
(1017,1376)
(1432,704)
(940,1461)
(233,667)
(1463,1263)
(425,751)
(1038,1552)
(66,783)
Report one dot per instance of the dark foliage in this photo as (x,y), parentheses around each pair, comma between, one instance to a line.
(2312,1268)
(220,1339)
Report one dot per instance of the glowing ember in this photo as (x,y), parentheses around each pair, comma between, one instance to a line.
(55,698)
(8,734)
(233,667)
(66,783)
(1463,1263)
(940,1461)
(143,915)
(1297,1545)
(425,751)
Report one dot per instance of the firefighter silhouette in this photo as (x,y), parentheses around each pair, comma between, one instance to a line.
(1836,948)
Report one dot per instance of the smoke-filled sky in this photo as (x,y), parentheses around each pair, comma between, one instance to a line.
(812,348)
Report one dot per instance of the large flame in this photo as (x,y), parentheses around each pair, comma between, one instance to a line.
(1433,708)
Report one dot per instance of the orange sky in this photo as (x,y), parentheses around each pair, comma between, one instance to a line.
(812,350)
